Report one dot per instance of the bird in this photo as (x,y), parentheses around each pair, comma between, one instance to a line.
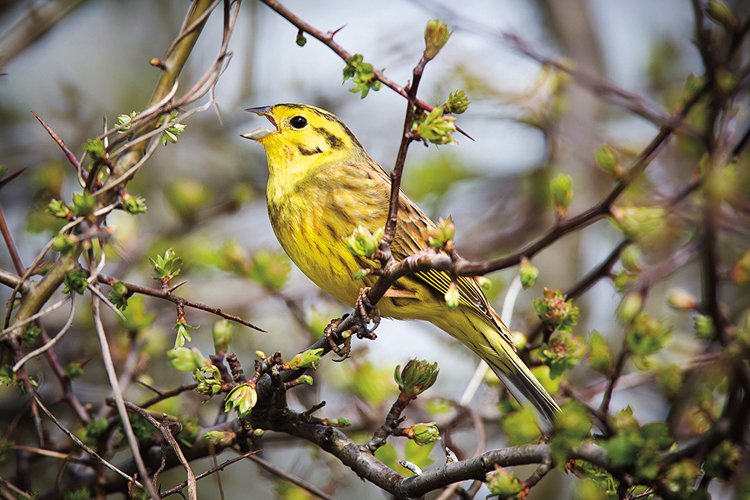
(322,186)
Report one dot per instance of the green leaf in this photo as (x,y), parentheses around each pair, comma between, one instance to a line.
(520,427)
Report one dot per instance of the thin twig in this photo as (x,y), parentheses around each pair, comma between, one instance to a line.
(85,447)
(175,299)
(212,470)
(117,393)
(289,477)
(163,427)
(53,341)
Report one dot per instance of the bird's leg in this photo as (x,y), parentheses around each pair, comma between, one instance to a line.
(364,309)
(329,333)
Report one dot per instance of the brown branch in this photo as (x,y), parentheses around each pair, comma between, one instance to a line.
(163,428)
(326,38)
(265,464)
(66,151)
(406,139)
(597,85)
(176,489)
(166,294)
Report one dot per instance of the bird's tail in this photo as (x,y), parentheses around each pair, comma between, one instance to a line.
(495,348)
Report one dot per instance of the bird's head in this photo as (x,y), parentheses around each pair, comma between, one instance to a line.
(304,136)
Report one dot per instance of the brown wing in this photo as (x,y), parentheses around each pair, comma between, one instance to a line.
(411,237)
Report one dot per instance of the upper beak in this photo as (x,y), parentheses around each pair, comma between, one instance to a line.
(260,133)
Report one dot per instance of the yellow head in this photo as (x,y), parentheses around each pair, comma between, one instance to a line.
(304,137)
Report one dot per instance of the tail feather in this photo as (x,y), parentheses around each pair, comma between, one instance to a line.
(526,388)
(492,341)
(500,354)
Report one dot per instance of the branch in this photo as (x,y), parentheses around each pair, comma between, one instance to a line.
(163,427)
(176,299)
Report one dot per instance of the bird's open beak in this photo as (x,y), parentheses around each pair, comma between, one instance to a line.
(260,133)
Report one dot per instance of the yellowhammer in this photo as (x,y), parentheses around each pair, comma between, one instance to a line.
(322,186)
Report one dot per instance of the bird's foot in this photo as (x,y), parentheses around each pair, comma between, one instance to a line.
(365,312)
(329,333)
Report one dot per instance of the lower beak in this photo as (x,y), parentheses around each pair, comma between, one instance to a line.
(260,133)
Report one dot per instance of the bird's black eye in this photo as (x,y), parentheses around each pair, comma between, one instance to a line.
(298,122)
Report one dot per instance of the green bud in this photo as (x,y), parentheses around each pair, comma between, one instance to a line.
(416,377)
(457,102)
(96,427)
(167,266)
(83,203)
(63,243)
(183,334)
(306,359)
(452,296)
(305,379)
(556,311)
(562,353)
(624,280)
(520,426)
(209,380)
(529,273)
(681,477)
(670,380)
(125,122)
(519,340)
(30,335)
(442,234)
(95,148)
(258,433)
(629,308)
(341,422)
(119,295)
(133,204)
(363,243)
(362,74)
(647,335)
(571,426)
(242,399)
(606,159)
(173,131)
(436,127)
(561,189)
(632,258)
(423,433)
(301,40)
(59,209)
(436,35)
(704,327)
(723,461)
(601,358)
(504,484)
(219,438)
(740,272)
(184,359)
(722,14)
(75,281)
(222,335)
(680,299)
(484,283)
(641,222)
(360,274)
(270,269)
(73,370)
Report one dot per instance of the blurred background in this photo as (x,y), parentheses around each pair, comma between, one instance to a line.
(79,63)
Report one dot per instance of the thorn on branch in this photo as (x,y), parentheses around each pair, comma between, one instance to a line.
(158,63)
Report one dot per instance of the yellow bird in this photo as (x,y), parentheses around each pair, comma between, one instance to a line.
(323,185)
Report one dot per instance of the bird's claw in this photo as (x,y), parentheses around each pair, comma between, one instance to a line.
(344,351)
(366,312)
